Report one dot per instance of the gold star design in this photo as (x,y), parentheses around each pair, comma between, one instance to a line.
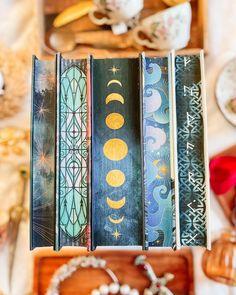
(114,70)
(116,234)
(163,169)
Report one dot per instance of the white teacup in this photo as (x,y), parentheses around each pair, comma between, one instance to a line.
(117,13)
(167,29)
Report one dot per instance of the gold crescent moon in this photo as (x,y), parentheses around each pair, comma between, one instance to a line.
(116,221)
(114,82)
(115,96)
(155,162)
(116,204)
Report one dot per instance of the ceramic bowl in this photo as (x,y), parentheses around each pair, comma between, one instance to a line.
(226,91)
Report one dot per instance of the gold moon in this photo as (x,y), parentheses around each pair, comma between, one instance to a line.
(115,121)
(115,149)
(155,162)
(114,82)
(116,221)
(115,178)
(116,204)
(115,96)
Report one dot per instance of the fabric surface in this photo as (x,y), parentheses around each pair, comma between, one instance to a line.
(16,25)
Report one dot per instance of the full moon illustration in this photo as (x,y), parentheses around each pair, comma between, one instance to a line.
(115,121)
(115,178)
(115,149)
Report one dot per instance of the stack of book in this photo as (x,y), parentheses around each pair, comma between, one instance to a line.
(119,152)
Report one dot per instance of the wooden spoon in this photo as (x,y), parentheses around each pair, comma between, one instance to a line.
(66,40)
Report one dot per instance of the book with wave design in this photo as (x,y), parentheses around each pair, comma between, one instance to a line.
(156,152)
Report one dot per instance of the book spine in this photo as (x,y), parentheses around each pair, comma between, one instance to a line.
(92,209)
(116,180)
(89,147)
(42,153)
(72,153)
(206,160)
(156,134)
(142,66)
(31,152)
(191,151)
(173,152)
(57,246)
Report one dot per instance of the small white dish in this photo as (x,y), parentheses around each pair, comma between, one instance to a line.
(226,91)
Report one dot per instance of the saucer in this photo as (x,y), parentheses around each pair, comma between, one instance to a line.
(226,91)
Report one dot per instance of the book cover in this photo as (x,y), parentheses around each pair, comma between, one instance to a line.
(192,166)
(116,155)
(71,153)
(42,153)
(156,150)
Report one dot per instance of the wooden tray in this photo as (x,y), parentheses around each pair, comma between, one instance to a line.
(121,262)
(48,9)
(227,201)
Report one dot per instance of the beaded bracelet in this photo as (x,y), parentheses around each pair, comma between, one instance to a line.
(66,270)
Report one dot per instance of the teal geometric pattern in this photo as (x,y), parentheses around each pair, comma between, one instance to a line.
(73,156)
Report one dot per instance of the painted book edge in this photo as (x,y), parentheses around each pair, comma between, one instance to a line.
(145,245)
(34,58)
(206,159)
(173,148)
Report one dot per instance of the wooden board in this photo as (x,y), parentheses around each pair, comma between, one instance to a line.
(227,200)
(180,263)
(51,8)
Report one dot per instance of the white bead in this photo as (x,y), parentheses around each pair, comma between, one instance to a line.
(114,288)
(95,292)
(125,289)
(134,292)
(104,289)
(147,292)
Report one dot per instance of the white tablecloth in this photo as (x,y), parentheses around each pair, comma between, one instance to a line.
(17,21)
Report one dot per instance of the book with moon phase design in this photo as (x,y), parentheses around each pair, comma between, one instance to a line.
(118,153)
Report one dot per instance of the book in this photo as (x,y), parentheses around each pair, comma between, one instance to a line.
(156,152)
(116,154)
(42,153)
(193,168)
(71,153)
